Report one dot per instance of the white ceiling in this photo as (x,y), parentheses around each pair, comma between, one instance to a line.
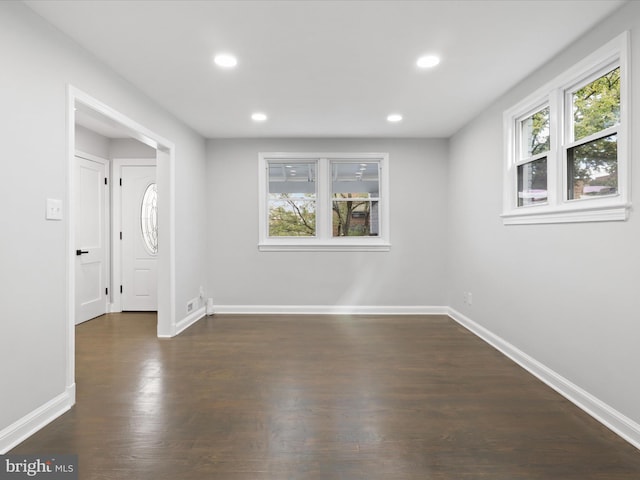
(324,68)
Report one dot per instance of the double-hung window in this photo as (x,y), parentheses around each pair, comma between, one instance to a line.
(321,201)
(534,142)
(567,147)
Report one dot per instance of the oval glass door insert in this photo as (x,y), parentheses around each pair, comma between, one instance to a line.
(149,219)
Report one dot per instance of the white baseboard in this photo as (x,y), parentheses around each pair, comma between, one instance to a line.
(189,320)
(604,413)
(328,310)
(23,428)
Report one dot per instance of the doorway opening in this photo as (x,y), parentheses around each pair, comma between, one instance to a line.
(97,115)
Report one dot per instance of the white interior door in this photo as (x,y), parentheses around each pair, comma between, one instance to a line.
(139,242)
(91,237)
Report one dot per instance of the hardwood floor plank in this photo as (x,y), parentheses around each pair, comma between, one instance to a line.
(318,397)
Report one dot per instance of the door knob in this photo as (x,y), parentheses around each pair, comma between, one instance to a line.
(80,252)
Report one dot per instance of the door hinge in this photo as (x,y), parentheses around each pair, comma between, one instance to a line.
(105,181)
(106,291)
(120,235)
(120,288)
(120,182)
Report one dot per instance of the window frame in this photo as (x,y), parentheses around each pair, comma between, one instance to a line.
(556,94)
(324,239)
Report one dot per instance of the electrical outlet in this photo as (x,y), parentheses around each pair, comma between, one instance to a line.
(190,307)
(467,298)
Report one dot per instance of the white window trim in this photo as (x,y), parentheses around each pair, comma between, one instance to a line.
(558,209)
(324,241)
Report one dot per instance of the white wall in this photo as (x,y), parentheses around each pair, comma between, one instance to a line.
(38,64)
(567,295)
(88,141)
(409,275)
(129,148)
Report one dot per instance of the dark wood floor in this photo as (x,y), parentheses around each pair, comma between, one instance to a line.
(318,398)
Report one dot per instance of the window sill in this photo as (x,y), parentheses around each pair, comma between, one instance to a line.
(343,246)
(571,214)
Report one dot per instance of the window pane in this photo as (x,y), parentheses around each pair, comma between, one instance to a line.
(532,182)
(535,134)
(355,218)
(354,186)
(292,199)
(596,106)
(355,179)
(593,168)
(292,215)
(292,177)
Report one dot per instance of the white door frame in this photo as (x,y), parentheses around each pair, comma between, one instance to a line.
(116,225)
(166,210)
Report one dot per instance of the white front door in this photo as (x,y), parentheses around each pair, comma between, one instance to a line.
(139,238)
(91,237)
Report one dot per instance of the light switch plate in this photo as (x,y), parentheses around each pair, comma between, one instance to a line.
(54,209)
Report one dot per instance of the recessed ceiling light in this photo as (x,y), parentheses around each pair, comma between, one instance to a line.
(225,60)
(394,118)
(258,117)
(428,61)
